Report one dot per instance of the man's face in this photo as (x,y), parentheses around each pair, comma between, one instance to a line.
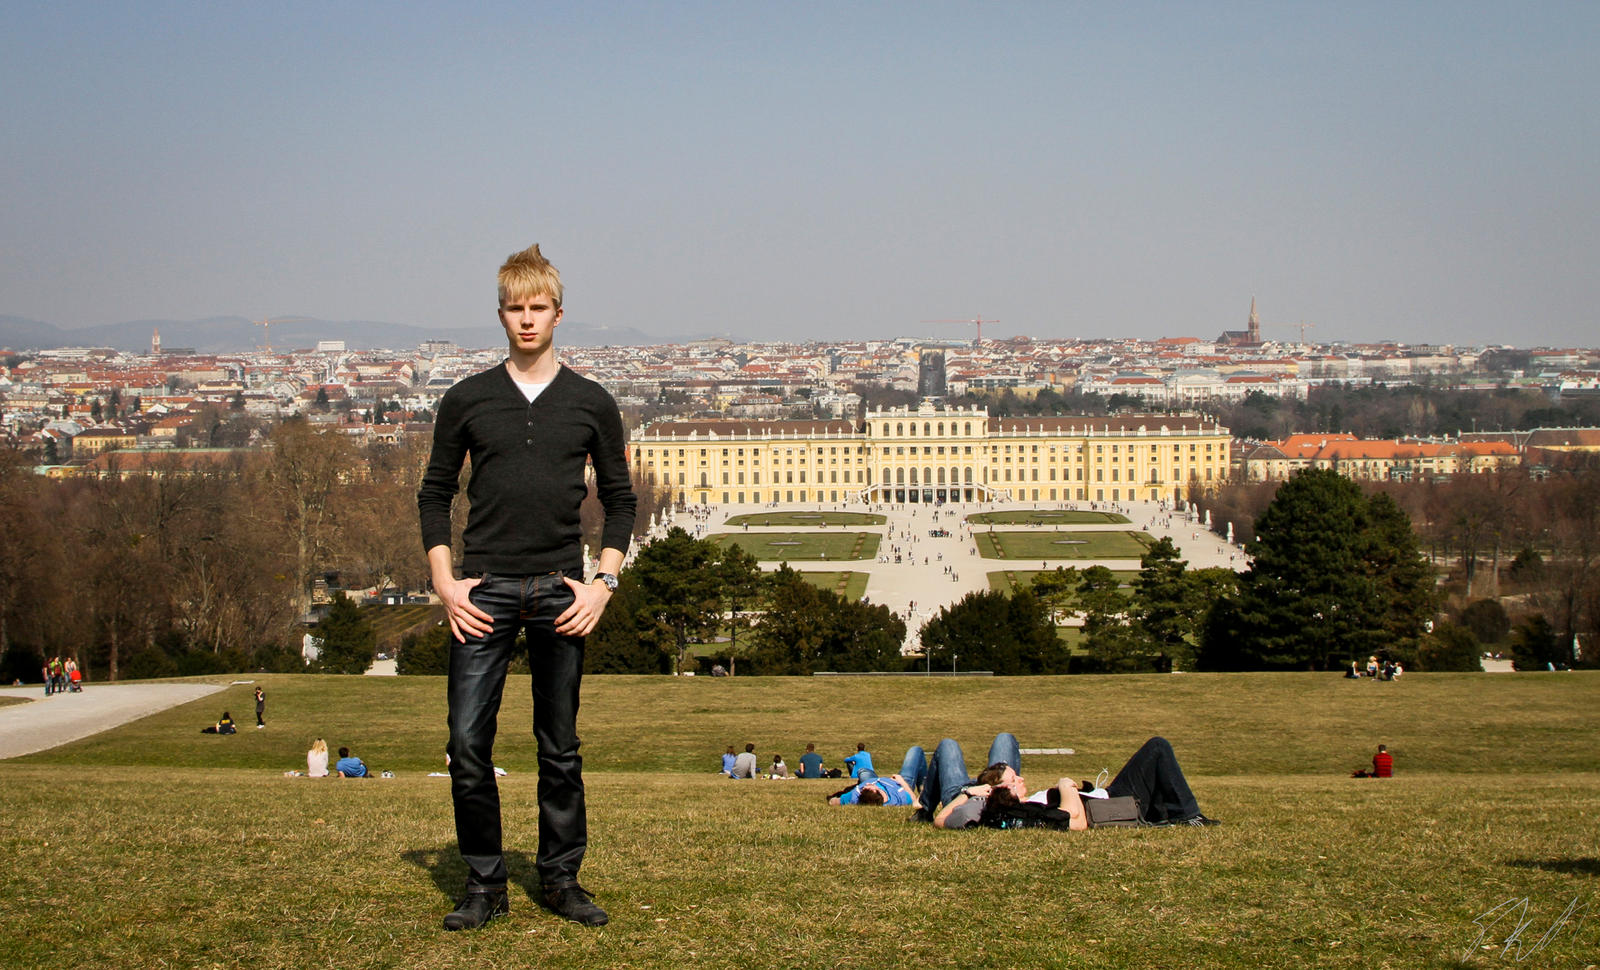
(530,322)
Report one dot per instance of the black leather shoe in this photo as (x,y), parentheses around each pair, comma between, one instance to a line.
(921,815)
(575,903)
(477,908)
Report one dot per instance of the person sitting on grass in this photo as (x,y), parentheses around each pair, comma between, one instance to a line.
(728,758)
(1382,765)
(860,762)
(745,765)
(317,759)
(349,766)
(811,762)
(224,726)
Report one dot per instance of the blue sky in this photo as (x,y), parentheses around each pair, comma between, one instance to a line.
(1424,172)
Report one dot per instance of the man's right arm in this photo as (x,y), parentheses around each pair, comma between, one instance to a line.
(440,480)
(465,618)
(434,498)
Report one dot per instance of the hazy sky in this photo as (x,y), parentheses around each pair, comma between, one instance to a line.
(1424,171)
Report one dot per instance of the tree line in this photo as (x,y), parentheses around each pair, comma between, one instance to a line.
(687,605)
(1338,576)
(1521,543)
(206,562)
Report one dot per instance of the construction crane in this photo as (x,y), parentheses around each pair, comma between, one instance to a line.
(1303,328)
(266,330)
(977,321)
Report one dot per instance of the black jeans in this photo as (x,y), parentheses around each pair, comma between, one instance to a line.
(477,678)
(1152,775)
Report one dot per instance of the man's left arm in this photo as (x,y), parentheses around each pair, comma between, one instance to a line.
(589,599)
(614,487)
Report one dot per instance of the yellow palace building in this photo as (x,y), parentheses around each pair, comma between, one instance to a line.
(933,453)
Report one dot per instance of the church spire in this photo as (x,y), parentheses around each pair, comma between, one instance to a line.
(1255,323)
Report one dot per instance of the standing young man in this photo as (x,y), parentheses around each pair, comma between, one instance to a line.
(530,426)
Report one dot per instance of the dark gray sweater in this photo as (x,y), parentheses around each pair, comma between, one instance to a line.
(527,471)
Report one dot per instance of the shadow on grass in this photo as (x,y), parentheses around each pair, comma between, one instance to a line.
(1584,866)
(449,873)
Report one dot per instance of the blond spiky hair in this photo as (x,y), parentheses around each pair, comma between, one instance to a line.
(528,274)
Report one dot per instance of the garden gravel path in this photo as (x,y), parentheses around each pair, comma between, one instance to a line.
(46,722)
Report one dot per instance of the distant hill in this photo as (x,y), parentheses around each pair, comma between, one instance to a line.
(222,335)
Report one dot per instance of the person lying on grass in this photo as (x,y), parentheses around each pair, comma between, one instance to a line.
(872,790)
(1151,776)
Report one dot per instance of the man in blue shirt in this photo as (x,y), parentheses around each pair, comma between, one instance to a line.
(876,791)
(860,761)
(349,766)
(810,762)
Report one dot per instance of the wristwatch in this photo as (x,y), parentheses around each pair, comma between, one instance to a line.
(608,579)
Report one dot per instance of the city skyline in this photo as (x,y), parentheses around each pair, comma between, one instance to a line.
(1419,173)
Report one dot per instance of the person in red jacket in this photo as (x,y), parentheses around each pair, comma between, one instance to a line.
(1382,765)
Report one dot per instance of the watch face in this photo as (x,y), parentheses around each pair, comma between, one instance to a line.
(608,579)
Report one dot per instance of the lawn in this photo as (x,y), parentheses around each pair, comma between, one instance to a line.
(154,846)
(850,585)
(1008,580)
(802,546)
(1119,544)
(808,518)
(391,623)
(1047,517)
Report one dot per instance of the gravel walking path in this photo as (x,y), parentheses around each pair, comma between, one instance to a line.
(46,722)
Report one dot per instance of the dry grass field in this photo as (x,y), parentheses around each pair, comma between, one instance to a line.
(154,846)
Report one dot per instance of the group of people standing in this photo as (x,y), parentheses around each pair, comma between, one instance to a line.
(61,676)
